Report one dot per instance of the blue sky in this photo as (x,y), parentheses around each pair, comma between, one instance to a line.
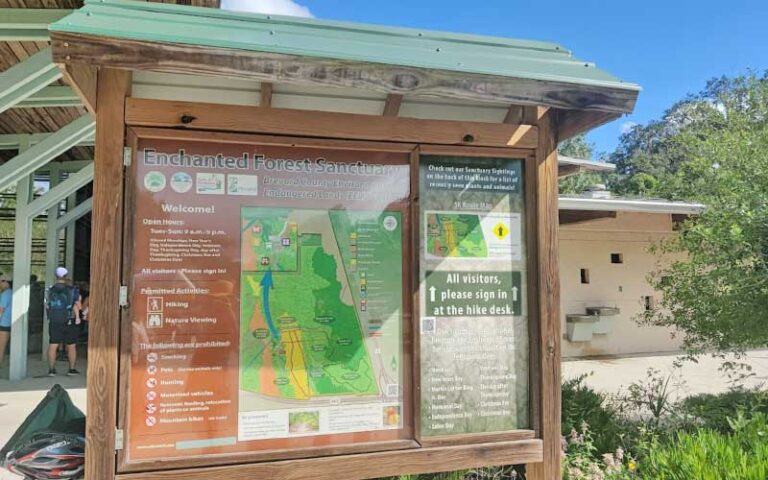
(671,48)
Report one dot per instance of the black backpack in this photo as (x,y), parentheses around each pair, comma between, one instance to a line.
(61,299)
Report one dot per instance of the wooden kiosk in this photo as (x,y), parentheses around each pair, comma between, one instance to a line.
(322,250)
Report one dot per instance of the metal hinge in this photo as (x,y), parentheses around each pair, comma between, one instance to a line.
(118,439)
(123,296)
(127,155)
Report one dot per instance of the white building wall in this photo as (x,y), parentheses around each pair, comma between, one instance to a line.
(589,245)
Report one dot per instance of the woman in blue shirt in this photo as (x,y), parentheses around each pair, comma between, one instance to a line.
(6,298)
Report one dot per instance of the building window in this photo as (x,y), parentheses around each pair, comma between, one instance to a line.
(584,275)
(617,258)
(648,303)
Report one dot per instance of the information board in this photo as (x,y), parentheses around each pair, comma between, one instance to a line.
(473,325)
(267,299)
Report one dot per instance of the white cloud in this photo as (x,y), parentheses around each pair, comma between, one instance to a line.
(277,7)
(627,127)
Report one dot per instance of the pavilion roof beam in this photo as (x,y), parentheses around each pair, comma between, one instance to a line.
(28,24)
(41,153)
(55,96)
(15,140)
(61,191)
(26,78)
(75,214)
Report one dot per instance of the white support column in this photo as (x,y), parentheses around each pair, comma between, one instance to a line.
(69,250)
(22,259)
(51,250)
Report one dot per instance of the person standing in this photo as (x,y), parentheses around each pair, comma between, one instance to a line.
(6,299)
(64,321)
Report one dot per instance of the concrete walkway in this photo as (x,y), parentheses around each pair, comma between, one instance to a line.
(614,375)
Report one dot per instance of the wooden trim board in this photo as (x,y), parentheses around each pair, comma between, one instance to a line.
(272,140)
(574,122)
(277,68)
(368,465)
(281,121)
(83,80)
(392,105)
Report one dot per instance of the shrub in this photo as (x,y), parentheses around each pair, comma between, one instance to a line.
(710,455)
(583,405)
(579,462)
(652,400)
(712,411)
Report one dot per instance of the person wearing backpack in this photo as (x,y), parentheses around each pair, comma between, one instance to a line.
(63,307)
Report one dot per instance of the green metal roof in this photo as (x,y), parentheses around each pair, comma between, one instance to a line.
(157,22)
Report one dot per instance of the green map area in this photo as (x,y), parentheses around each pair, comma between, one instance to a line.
(455,235)
(301,331)
(272,244)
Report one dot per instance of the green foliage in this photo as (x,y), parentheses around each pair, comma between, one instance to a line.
(582,405)
(653,398)
(715,288)
(577,147)
(641,184)
(713,411)
(704,437)
(582,462)
(710,455)
(489,473)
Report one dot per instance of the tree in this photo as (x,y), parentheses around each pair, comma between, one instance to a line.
(578,147)
(652,151)
(715,291)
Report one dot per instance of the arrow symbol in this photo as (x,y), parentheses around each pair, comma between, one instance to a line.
(432,290)
(514,294)
(266,286)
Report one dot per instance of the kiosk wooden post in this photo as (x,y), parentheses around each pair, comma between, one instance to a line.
(113,86)
(327,274)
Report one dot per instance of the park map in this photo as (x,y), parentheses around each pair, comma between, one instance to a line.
(455,235)
(304,303)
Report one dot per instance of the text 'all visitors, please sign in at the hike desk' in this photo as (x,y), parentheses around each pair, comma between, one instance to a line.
(473,326)
(267,298)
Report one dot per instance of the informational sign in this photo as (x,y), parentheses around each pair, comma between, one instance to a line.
(267,298)
(473,325)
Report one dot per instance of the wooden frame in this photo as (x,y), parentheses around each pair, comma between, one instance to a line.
(369,465)
(279,68)
(134,136)
(281,121)
(541,444)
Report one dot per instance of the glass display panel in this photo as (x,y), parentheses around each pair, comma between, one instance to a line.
(473,309)
(267,299)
